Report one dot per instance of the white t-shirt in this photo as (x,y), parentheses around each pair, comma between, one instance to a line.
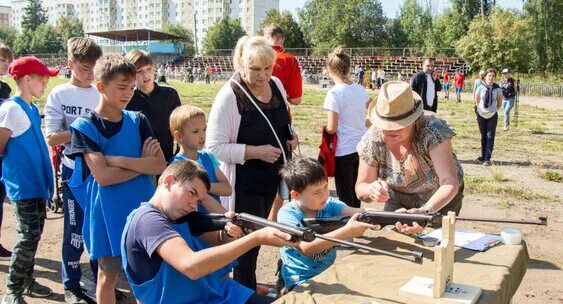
(349,101)
(430,90)
(65,104)
(13,118)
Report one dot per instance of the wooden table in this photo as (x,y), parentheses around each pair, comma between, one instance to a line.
(362,278)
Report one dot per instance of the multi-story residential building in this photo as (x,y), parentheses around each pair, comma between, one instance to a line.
(108,15)
(5,13)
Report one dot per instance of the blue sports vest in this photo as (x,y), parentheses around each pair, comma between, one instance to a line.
(205,161)
(26,168)
(171,286)
(106,207)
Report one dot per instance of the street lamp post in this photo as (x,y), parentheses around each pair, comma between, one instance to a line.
(195,27)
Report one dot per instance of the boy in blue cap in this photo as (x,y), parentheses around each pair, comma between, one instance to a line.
(27,173)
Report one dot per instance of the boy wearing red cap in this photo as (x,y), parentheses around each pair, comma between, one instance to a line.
(27,173)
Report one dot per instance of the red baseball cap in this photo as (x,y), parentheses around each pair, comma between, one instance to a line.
(30,65)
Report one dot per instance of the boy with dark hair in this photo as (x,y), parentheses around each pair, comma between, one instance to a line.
(164,263)
(65,104)
(115,154)
(27,173)
(6,57)
(308,185)
(155,101)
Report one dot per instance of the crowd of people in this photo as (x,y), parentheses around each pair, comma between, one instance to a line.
(136,161)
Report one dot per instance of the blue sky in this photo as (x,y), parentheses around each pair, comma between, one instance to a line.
(391,7)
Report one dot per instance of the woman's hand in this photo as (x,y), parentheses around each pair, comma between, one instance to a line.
(268,153)
(405,228)
(379,191)
(292,144)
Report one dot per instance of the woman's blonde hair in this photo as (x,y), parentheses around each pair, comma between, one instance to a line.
(254,50)
(339,63)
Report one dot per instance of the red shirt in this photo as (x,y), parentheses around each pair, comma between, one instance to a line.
(446,77)
(286,69)
(458,80)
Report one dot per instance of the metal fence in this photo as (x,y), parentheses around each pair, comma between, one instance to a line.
(530,88)
(374,51)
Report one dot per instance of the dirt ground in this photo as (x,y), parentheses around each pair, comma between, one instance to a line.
(542,282)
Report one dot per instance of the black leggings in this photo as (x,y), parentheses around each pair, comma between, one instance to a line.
(487,128)
(259,205)
(345,175)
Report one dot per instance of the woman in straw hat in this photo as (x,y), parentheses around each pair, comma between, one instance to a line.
(406,157)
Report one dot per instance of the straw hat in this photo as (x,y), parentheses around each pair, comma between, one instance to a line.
(397,106)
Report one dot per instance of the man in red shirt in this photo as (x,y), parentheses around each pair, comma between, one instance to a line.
(286,67)
(458,83)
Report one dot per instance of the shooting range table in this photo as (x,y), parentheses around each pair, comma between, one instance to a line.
(362,278)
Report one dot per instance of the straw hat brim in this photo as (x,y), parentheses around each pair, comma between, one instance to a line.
(389,125)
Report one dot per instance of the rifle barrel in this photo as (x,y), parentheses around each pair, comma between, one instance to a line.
(416,256)
(541,221)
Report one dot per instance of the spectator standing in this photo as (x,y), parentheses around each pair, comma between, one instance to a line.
(487,99)
(459,78)
(446,83)
(6,57)
(427,85)
(381,78)
(508,86)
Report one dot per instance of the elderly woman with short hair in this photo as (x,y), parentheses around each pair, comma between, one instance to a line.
(406,158)
(243,140)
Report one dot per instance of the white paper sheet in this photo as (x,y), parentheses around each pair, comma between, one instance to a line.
(469,239)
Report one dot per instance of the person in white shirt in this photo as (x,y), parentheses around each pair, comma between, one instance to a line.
(345,105)
(66,103)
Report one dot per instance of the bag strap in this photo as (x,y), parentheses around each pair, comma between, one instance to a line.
(264,115)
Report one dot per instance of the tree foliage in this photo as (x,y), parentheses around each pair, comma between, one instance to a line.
(187,42)
(7,35)
(294,37)
(46,40)
(416,23)
(348,23)
(546,27)
(33,15)
(222,35)
(503,40)
(68,27)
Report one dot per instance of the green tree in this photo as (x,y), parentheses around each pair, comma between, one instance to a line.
(33,15)
(416,22)
(7,35)
(68,27)
(187,41)
(46,40)
(22,43)
(503,40)
(547,33)
(397,37)
(222,35)
(347,23)
(292,32)
(447,29)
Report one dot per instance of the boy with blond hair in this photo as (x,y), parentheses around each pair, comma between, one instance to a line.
(27,173)
(6,57)
(155,101)
(188,127)
(115,154)
(65,104)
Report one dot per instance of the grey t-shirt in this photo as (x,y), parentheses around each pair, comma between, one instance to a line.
(147,230)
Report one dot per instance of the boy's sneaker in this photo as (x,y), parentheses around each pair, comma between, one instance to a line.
(480,159)
(13,299)
(37,290)
(487,163)
(77,296)
(5,254)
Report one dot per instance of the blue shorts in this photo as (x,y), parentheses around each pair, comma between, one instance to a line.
(446,86)
(457,90)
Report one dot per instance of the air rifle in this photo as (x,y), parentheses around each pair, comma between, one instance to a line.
(384,218)
(205,222)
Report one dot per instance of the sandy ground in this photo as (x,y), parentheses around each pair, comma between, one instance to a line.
(542,283)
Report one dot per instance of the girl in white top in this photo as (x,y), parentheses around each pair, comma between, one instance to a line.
(346,106)
(487,98)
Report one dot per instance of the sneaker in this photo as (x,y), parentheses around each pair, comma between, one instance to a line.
(487,163)
(37,290)
(262,290)
(13,299)
(505,128)
(480,159)
(77,296)
(5,254)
